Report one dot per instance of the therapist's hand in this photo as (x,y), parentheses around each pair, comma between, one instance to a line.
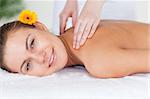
(87,22)
(70,10)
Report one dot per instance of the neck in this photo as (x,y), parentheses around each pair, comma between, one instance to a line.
(72,59)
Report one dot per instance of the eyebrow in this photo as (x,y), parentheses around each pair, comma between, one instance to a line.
(26,45)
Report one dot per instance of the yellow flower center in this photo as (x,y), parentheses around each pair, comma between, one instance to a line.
(28,17)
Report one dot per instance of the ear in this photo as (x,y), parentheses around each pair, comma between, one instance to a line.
(40,26)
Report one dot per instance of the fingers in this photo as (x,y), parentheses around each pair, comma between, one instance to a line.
(76,31)
(74,18)
(83,31)
(79,34)
(63,21)
(86,33)
(93,29)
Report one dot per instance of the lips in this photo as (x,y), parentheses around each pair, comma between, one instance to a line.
(51,58)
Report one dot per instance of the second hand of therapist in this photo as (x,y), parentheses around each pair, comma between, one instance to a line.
(85,24)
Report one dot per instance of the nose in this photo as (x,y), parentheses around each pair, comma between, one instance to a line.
(39,56)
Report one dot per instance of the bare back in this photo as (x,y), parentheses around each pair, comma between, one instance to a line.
(112,41)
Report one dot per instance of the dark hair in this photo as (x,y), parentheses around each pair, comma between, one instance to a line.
(4,31)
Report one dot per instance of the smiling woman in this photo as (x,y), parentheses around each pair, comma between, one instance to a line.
(38,52)
(33,50)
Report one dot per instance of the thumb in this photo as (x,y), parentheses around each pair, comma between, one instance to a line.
(63,24)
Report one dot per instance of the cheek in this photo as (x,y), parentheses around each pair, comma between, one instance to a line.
(43,43)
(38,70)
(42,40)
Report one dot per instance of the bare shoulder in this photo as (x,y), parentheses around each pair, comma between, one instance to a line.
(102,52)
(103,39)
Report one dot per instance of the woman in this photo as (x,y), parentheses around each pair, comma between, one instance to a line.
(117,49)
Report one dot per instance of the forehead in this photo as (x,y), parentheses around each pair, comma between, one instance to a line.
(15,49)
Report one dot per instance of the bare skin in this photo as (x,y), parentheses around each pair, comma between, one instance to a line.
(117,49)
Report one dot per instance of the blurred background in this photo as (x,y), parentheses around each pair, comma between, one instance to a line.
(48,10)
(10,9)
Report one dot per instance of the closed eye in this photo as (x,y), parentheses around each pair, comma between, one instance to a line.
(32,43)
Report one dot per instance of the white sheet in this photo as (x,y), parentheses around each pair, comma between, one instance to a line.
(72,83)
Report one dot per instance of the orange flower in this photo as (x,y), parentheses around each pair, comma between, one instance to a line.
(28,17)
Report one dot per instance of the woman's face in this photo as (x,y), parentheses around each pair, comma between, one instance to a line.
(34,52)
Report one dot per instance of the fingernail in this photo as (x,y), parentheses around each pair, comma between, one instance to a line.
(90,36)
(77,46)
(81,43)
(73,44)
